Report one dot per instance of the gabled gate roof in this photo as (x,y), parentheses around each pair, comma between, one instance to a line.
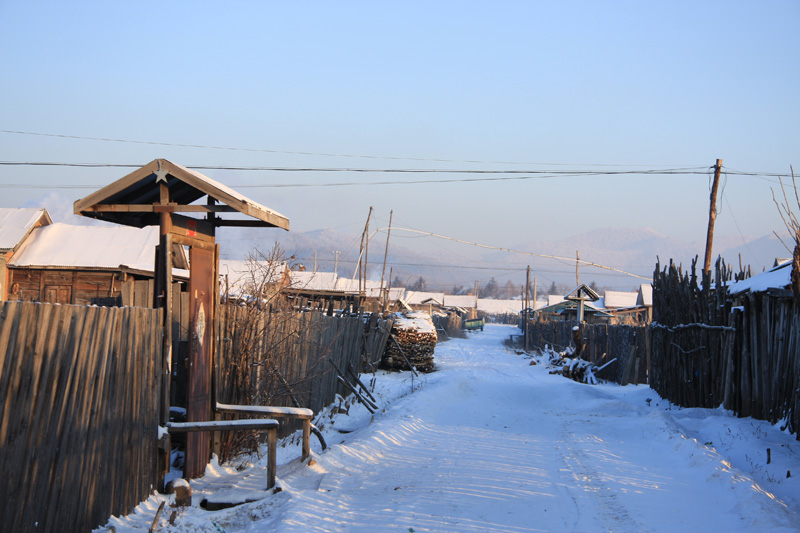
(132,199)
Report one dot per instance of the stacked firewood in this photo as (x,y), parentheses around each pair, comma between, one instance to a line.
(411,343)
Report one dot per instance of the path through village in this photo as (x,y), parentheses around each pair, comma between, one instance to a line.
(491,443)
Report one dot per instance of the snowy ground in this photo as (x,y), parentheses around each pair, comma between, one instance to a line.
(489,443)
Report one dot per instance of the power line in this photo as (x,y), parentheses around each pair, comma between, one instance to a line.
(487,246)
(498,175)
(270,151)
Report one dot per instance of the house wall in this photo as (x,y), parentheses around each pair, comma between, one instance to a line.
(3,277)
(62,286)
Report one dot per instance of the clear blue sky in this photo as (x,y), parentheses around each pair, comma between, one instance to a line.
(556,85)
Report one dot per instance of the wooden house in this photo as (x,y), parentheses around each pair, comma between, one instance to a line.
(88,265)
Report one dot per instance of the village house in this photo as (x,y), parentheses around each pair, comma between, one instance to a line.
(87,265)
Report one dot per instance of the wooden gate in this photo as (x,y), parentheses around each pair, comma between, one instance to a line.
(201,308)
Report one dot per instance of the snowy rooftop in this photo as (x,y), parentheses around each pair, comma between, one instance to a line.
(417,297)
(313,281)
(619,299)
(15,223)
(466,301)
(63,245)
(500,307)
(238,273)
(778,277)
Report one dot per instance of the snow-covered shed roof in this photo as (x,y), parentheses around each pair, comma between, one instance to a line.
(237,273)
(778,277)
(394,294)
(500,307)
(17,223)
(417,297)
(91,247)
(351,285)
(313,281)
(619,299)
(467,301)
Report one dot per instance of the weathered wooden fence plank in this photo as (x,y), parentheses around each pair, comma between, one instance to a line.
(63,375)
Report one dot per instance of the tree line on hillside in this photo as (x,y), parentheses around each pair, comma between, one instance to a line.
(492,289)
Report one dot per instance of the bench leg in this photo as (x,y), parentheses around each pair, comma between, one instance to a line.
(272,451)
(306,439)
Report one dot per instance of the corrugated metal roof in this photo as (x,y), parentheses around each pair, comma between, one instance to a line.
(63,245)
(15,223)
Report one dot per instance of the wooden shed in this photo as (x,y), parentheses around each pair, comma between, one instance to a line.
(89,265)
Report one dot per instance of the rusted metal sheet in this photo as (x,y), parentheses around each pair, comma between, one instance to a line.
(199,407)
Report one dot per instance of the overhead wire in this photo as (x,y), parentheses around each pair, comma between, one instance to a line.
(288,152)
(500,248)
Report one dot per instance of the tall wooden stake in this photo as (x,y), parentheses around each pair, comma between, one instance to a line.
(577,268)
(527,305)
(385,257)
(712,216)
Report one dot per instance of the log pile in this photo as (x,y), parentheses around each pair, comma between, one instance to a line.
(411,343)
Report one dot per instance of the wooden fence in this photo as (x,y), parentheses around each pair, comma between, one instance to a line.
(79,428)
(601,343)
(711,349)
(763,379)
(291,358)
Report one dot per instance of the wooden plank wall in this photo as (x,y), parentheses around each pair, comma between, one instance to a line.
(79,425)
(269,358)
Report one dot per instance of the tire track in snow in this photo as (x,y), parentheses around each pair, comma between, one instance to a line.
(579,471)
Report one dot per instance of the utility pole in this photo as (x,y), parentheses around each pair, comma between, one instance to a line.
(336,262)
(577,268)
(385,257)
(527,306)
(315,260)
(712,216)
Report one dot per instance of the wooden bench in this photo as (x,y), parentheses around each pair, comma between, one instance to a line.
(261,424)
(299,413)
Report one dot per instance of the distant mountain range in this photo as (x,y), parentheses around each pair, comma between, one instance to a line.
(633,250)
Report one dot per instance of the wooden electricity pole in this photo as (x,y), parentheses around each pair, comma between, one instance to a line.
(712,216)
(527,306)
(385,258)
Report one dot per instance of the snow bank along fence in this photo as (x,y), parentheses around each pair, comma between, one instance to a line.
(711,349)
(78,431)
(291,359)
(599,344)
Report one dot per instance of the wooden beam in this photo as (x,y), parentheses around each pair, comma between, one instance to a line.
(194,228)
(156,208)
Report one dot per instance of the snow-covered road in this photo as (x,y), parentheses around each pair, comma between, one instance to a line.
(490,443)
